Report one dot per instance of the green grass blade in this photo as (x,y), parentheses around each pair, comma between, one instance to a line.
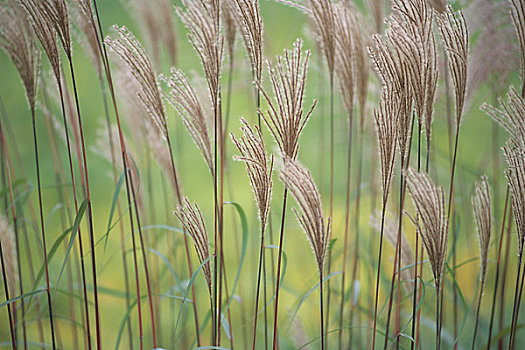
(113,207)
(74,231)
(12,300)
(188,288)
(244,225)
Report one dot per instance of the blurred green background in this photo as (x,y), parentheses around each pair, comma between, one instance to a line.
(282,26)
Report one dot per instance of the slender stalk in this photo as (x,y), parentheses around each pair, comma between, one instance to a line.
(514,308)
(129,179)
(450,205)
(265,301)
(477,315)
(17,233)
(502,233)
(346,233)
(119,208)
(332,169)
(63,198)
(518,308)
(277,287)
(321,308)
(414,301)
(10,133)
(397,258)
(517,302)
(186,245)
(10,308)
(438,313)
(42,230)
(357,216)
(221,211)
(80,245)
(383,212)
(261,253)
(135,262)
(422,255)
(504,279)
(397,254)
(89,208)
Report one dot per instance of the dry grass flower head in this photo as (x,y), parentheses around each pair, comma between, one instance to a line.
(494,57)
(128,48)
(412,20)
(9,252)
(185,100)
(456,41)
(258,165)
(230,27)
(432,225)
(16,39)
(310,213)
(50,19)
(518,18)
(481,204)
(386,129)
(250,23)
(515,156)
(345,27)
(285,116)
(191,217)
(323,14)
(511,115)
(202,18)
(82,14)
(157,26)
(393,67)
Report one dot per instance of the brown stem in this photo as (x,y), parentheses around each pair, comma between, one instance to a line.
(10,308)
(321,308)
(261,253)
(346,233)
(42,229)
(502,233)
(278,282)
(89,208)
(383,212)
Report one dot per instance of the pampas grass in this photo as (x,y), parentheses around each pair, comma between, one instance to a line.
(406,90)
(259,168)
(311,218)
(286,119)
(433,229)
(483,216)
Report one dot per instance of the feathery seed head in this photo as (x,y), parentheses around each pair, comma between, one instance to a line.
(128,48)
(483,216)
(511,116)
(432,226)
(16,39)
(202,18)
(7,238)
(386,124)
(183,98)
(300,183)
(518,18)
(323,14)
(515,156)
(345,26)
(285,117)
(250,23)
(456,41)
(84,19)
(259,167)
(191,218)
